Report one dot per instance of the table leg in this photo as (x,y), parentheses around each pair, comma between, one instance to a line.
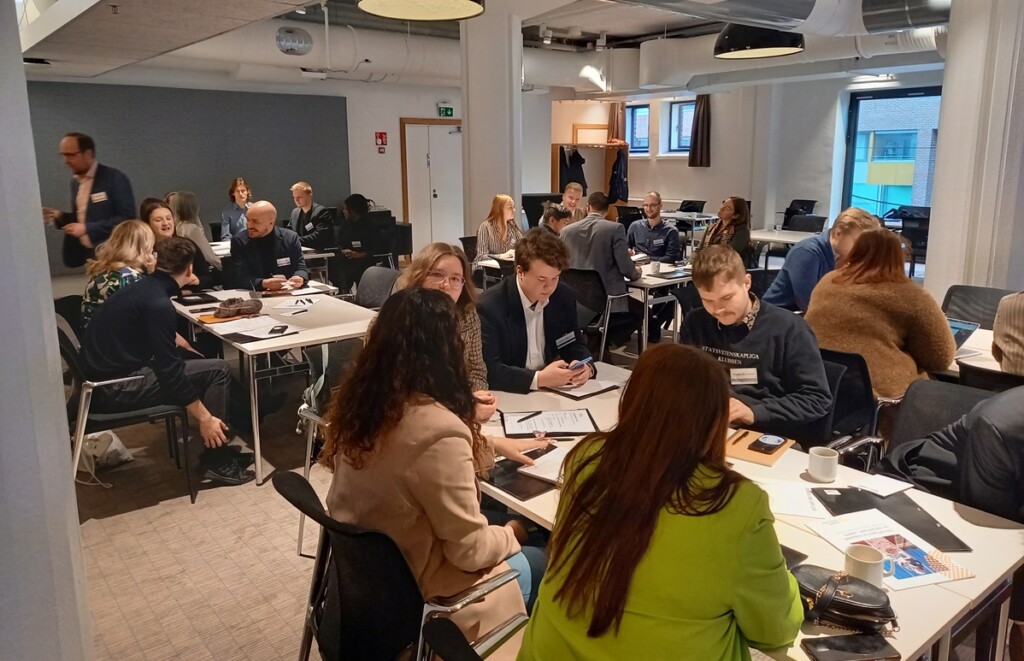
(254,410)
(646,330)
(1001,631)
(942,646)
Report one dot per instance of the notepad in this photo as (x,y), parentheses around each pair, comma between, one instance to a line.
(547,467)
(552,423)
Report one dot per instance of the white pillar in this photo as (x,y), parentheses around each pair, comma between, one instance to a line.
(492,140)
(977,229)
(43,608)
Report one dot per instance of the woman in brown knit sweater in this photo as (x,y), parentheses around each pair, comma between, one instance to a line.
(872,308)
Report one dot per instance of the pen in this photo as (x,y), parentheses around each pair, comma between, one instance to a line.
(527,417)
(736,436)
(299,312)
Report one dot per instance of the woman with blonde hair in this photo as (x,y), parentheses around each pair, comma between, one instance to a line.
(120,261)
(869,306)
(445,267)
(185,207)
(499,233)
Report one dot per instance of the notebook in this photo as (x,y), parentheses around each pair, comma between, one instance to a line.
(962,330)
(674,274)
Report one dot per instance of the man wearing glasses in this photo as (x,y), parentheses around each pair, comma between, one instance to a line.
(652,236)
(101,197)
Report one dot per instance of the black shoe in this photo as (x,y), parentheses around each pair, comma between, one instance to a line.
(229,473)
(242,459)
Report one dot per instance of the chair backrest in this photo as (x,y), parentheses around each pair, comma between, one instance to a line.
(469,247)
(805,207)
(628,215)
(929,406)
(588,287)
(507,267)
(986,379)
(977,304)
(806,223)
(70,309)
(692,206)
(820,431)
(533,205)
(372,604)
(855,403)
(761,279)
(375,286)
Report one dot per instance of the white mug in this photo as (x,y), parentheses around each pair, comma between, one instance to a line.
(655,267)
(822,464)
(868,564)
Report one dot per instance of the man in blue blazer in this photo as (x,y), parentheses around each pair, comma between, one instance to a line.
(531,335)
(266,257)
(101,197)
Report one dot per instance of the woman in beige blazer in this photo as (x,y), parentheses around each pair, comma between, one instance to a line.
(405,449)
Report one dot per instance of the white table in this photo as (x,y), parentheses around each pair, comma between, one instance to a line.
(328,320)
(698,221)
(980,340)
(786,237)
(646,284)
(926,614)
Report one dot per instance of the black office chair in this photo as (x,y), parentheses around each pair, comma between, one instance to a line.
(86,418)
(986,379)
(797,208)
(692,206)
(628,215)
(977,304)
(857,407)
(819,432)
(364,602)
(689,299)
(595,301)
(374,287)
(761,279)
(807,223)
(469,247)
(69,309)
(507,267)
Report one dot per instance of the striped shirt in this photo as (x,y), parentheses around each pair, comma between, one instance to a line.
(490,244)
(1008,334)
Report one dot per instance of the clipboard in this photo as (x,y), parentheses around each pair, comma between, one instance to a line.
(576,396)
(736,448)
(549,434)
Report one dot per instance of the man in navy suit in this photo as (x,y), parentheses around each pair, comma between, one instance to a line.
(528,322)
(101,197)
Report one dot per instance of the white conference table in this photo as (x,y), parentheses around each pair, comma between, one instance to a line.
(786,237)
(647,284)
(926,614)
(328,320)
(980,340)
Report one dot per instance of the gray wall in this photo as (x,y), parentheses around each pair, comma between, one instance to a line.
(178,139)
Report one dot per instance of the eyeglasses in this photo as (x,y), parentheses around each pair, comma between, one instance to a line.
(437,277)
(68,154)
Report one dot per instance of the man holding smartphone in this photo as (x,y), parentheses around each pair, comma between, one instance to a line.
(531,336)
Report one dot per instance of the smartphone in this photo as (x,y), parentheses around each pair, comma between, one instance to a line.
(576,364)
(855,647)
(767,444)
(277,330)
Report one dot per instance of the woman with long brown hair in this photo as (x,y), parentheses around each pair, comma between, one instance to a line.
(870,307)
(660,551)
(404,445)
(732,228)
(499,233)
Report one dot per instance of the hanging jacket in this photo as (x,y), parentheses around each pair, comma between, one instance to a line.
(618,183)
(570,168)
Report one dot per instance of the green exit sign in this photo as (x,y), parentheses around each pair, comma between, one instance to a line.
(445,111)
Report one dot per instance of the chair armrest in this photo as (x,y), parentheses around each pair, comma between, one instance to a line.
(492,641)
(307,413)
(110,382)
(889,401)
(471,595)
(847,444)
(610,296)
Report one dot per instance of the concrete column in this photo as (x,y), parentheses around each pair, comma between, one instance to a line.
(977,225)
(43,608)
(492,140)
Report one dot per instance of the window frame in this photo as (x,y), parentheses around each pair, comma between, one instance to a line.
(630,122)
(671,133)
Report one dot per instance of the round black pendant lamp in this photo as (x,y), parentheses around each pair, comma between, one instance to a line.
(743,42)
(423,10)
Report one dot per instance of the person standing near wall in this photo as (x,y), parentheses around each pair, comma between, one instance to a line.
(101,197)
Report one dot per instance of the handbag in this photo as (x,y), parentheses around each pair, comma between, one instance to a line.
(835,599)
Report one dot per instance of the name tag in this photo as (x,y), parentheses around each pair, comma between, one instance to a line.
(659,242)
(309,227)
(565,340)
(98,197)
(357,244)
(284,261)
(743,376)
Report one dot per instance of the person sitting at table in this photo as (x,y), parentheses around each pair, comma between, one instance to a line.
(358,239)
(185,207)
(870,307)
(232,219)
(445,267)
(808,261)
(313,222)
(133,333)
(555,218)
(529,324)
(660,549)
(773,361)
(732,229)
(160,218)
(651,235)
(598,244)
(405,447)
(1008,334)
(121,260)
(498,234)
(267,257)
(571,198)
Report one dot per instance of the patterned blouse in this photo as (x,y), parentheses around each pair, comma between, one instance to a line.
(489,243)
(102,286)
(469,323)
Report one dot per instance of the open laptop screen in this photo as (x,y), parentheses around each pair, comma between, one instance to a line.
(962,330)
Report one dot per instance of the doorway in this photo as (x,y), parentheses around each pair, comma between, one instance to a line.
(432,179)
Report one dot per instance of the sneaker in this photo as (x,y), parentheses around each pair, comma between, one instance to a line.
(229,473)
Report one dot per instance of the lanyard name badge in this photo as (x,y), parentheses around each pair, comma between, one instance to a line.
(743,376)
(565,340)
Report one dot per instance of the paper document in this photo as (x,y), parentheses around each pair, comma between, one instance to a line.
(791,498)
(917,562)
(305,291)
(298,303)
(245,325)
(552,423)
(263,333)
(547,467)
(639,257)
(882,485)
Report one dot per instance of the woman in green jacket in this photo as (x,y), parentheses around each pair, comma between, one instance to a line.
(660,550)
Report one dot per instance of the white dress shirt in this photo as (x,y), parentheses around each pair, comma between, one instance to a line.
(534,313)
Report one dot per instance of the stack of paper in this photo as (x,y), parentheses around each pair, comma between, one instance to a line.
(547,467)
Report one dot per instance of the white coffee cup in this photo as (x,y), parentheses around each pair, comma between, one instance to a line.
(868,564)
(655,267)
(822,464)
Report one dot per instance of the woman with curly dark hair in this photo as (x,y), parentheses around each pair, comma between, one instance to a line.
(405,448)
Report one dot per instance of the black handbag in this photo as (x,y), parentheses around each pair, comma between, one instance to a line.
(835,599)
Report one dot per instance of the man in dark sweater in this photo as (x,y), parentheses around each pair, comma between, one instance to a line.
(266,250)
(313,222)
(132,333)
(778,378)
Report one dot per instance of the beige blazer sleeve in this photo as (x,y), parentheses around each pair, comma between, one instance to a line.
(443,482)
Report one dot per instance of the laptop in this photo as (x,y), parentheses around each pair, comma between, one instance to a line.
(961,331)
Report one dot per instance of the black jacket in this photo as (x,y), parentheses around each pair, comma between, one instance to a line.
(570,168)
(135,328)
(618,183)
(316,229)
(110,202)
(503,326)
(253,260)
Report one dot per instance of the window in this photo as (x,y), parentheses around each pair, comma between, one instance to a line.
(638,124)
(680,124)
(894,146)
